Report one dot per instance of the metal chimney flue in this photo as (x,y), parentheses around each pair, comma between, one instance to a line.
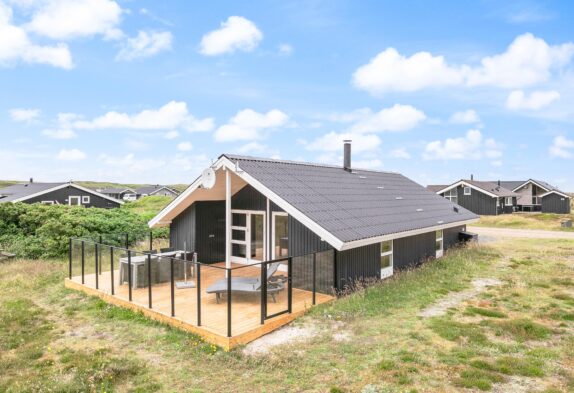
(347,155)
(471,177)
(31,180)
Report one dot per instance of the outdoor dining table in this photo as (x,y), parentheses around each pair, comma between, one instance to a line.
(139,262)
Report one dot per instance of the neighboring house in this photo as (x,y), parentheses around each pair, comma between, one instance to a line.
(480,197)
(126,194)
(537,195)
(156,190)
(56,194)
(246,209)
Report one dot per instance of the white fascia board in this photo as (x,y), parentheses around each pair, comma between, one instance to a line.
(398,235)
(555,192)
(157,220)
(533,182)
(290,209)
(63,186)
(463,183)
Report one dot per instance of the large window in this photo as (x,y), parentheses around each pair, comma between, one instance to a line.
(280,235)
(508,201)
(452,195)
(439,244)
(386,259)
(74,200)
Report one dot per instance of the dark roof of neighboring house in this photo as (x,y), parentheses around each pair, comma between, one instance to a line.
(436,187)
(511,184)
(491,188)
(353,205)
(25,191)
(114,190)
(17,191)
(148,190)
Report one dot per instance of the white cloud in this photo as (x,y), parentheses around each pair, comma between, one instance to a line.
(171,134)
(60,133)
(465,117)
(15,46)
(333,141)
(250,125)
(24,115)
(518,100)
(172,115)
(472,146)
(67,19)
(237,33)
(391,71)
(71,155)
(401,152)
(145,44)
(184,146)
(528,60)
(396,118)
(285,49)
(562,147)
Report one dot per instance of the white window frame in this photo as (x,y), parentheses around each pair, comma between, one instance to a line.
(274,215)
(85,199)
(449,195)
(247,230)
(47,202)
(469,190)
(79,198)
(440,251)
(387,271)
(506,201)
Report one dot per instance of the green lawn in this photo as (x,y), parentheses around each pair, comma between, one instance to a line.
(53,339)
(545,221)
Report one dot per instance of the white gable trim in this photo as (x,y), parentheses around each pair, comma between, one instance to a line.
(224,162)
(555,192)
(25,198)
(533,182)
(463,183)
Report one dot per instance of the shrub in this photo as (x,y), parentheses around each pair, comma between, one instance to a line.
(43,231)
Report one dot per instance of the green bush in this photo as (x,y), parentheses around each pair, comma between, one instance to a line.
(43,231)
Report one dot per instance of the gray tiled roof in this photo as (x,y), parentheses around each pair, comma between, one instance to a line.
(511,184)
(114,190)
(351,206)
(147,190)
(493,188)
(436,187)
(17,191)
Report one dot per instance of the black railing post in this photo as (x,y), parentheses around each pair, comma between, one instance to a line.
(172,288)
(70,260)
(96,265)
(198,280)
(314,277)
(130,275)
(263,291)
(335,279)
(100,255)
(112,268)
(83,261)
(228,302)
(127,241)
(289,279)
(149,279)
(150,241)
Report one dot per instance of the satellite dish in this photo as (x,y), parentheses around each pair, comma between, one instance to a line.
(208,178)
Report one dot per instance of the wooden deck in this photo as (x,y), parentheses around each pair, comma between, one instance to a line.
(245,314)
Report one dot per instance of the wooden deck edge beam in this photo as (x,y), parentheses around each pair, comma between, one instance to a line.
(227,343)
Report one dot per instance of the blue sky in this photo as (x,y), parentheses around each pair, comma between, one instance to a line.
(145,91)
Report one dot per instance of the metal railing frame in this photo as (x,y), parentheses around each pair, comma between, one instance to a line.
(197,266)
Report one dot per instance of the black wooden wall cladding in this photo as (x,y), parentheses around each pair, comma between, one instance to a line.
(62,197)
(477,202)
(554,203)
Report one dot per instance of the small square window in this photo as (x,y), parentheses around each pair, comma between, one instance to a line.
(386,246)
(467,191)
(85,199)
(509,201)
(386,261)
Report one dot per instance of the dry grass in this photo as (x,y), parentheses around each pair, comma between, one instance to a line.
(52,339)
(544,221)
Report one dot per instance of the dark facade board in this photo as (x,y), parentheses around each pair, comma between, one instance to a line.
(62,195)
(554,203)
(477,202)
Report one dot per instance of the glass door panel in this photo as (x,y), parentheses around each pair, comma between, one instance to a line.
(257,237)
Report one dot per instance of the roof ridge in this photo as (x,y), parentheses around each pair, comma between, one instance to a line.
(305,163)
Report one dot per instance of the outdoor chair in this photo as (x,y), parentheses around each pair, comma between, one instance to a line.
(248,284)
